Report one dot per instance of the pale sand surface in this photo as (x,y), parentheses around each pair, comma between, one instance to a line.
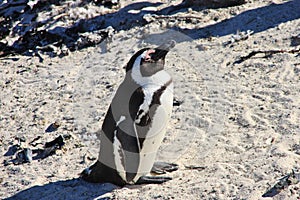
(240,122)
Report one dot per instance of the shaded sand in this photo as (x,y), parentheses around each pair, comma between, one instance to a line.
(238,122)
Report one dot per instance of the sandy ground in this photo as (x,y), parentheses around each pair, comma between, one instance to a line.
(238,123)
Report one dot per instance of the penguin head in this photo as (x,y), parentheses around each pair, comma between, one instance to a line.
(149,61)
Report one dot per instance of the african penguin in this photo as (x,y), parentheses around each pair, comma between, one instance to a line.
(135,123)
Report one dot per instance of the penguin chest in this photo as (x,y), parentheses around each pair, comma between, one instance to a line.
(152,134)
(136,138)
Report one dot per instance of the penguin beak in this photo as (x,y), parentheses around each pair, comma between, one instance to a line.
(161,51)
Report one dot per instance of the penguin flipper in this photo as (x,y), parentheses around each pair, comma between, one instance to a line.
(152,180)
(163,167)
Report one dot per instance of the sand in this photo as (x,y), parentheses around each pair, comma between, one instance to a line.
(238,124)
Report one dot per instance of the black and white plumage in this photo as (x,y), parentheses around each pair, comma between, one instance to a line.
(135,123)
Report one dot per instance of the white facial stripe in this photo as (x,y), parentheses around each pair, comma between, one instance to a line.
(159,78)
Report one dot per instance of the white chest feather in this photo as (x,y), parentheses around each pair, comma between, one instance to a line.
(156,133)
(159,120)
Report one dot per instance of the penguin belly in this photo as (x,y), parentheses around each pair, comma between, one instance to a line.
(155,134)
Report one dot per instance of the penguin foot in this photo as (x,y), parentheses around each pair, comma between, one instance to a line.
(152,180)
(163,167)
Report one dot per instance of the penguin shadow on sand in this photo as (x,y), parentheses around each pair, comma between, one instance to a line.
(65,189)
(75,188)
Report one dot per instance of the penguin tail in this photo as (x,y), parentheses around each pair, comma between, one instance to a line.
(89,174)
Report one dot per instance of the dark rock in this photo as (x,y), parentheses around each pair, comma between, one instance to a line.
(52,127)
(57,142)
(23,156)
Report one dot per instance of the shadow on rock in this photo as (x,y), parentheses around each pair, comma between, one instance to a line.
(35,34)
(256,20)
(68,189)
(48,37)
